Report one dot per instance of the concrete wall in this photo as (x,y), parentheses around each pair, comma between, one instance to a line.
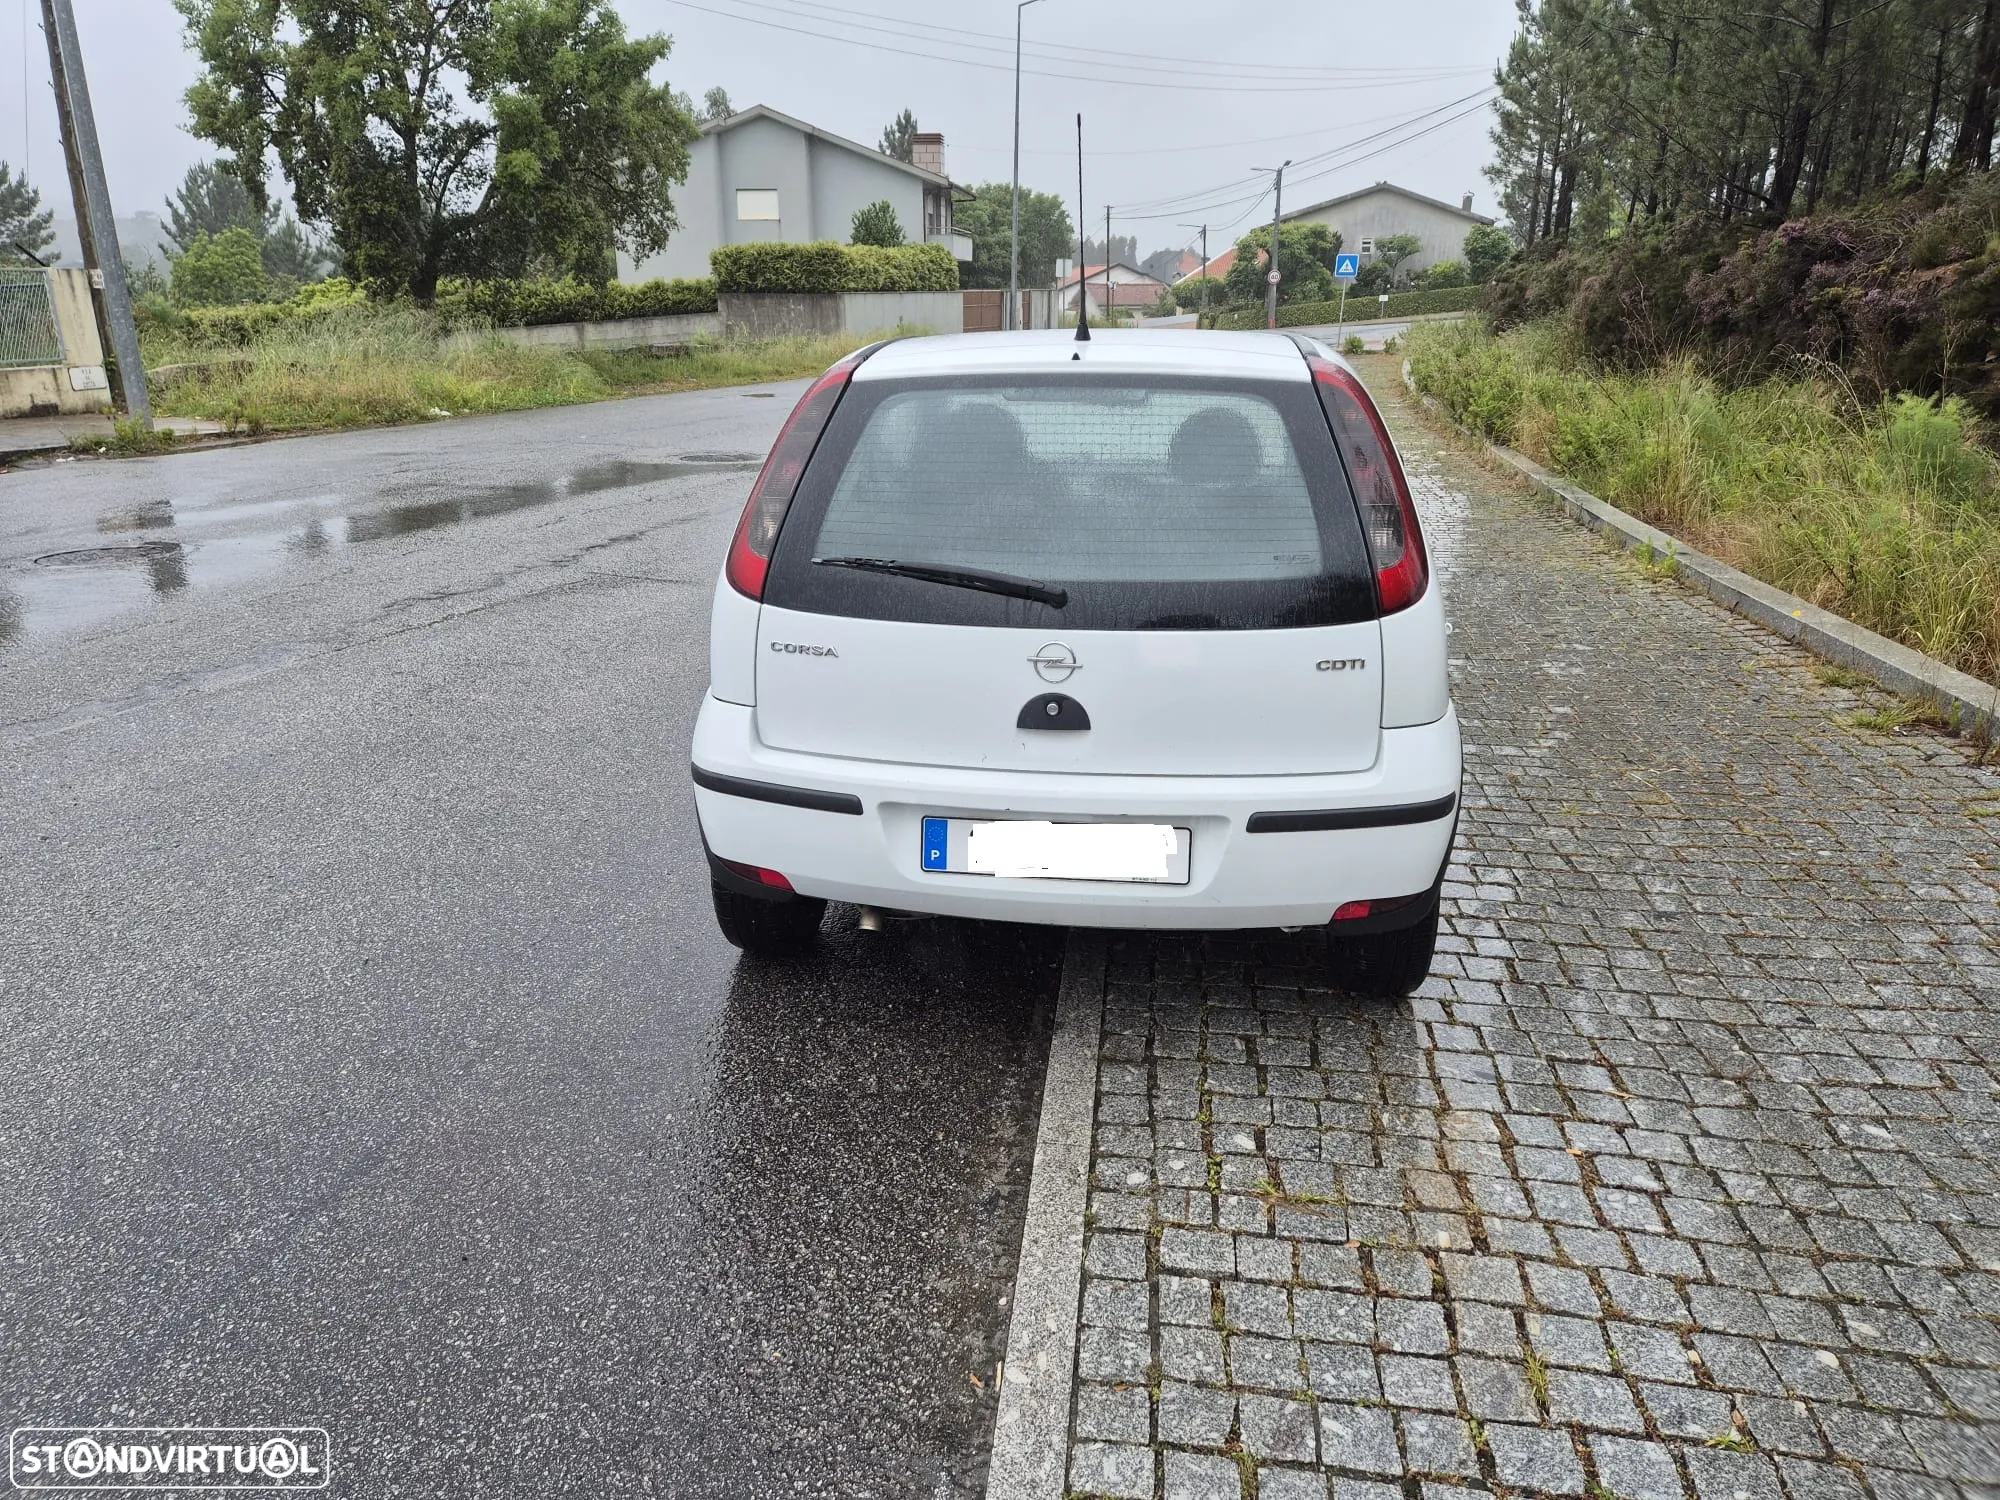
(79,383)
(1376,215)
(677,329)
(777,314)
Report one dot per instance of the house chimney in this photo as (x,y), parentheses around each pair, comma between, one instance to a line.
(1466,203)
(927,151)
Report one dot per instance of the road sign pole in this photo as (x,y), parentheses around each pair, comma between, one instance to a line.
(1340,319)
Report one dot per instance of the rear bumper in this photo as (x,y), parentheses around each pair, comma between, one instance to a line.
(792,812)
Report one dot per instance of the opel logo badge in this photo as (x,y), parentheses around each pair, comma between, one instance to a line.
(1055,662)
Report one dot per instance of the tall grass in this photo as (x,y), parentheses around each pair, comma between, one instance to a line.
(365,366)
(1888,514)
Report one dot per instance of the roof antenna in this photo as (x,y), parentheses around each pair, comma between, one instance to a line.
(1082,286)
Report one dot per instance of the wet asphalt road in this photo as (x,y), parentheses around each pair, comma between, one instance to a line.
(372,1061)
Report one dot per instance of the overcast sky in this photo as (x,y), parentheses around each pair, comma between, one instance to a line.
(1166,140)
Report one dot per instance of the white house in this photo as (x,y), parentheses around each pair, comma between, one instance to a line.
(1376,212)
(1128,286)
(762,175)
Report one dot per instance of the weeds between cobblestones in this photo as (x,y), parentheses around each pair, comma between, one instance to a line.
(1676,1181)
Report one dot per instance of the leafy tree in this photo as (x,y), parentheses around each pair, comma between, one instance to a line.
(24,223)
(477,136)
(715,106)
(1305,263)
(876,224)
(1487,248)
(1392,250)
(220,269)
(1046,235)
(1446,273)
(899,137)
(1196,292)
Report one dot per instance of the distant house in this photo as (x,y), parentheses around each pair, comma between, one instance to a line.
(762,175)
(1170,265)
(1128,286)
(1216,268)
(1375,213)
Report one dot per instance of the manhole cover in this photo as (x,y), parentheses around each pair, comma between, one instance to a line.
(90,557)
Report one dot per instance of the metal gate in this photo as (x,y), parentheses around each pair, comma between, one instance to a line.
(28,332)
(983,310)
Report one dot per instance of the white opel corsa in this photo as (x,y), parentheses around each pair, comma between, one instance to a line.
(1135,632)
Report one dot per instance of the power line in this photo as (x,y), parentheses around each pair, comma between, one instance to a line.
(1261,86)
(1330,169)
(1071,52)
(1404,123)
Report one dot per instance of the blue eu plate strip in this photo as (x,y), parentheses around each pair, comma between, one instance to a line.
(936,841)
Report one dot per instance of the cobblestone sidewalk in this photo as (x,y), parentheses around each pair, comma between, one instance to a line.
(1679,1176)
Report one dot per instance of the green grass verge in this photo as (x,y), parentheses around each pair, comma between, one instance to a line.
(368,366)
(1888,515)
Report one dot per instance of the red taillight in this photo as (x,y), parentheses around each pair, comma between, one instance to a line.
(1395,540)
(771,495)
(759,874)
(1349,911)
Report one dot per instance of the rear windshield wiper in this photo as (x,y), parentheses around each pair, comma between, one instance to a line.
(958,578)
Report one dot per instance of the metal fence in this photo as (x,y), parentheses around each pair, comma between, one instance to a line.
(28,332)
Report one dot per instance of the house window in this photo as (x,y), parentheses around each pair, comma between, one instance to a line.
(757,203)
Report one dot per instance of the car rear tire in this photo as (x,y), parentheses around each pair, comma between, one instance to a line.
(766,927)
(1386,963)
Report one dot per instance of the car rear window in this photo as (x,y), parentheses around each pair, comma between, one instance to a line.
(1155,505)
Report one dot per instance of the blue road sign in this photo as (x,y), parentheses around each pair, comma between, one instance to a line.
(1346,267)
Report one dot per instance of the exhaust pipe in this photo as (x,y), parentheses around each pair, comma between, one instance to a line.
(871,919)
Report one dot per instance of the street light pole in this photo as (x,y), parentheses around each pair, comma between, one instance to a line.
(1014,232)
(1271,277)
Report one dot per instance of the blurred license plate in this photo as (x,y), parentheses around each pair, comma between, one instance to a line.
(1156,853)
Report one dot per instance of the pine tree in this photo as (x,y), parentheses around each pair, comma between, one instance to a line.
(24,224)
(899,137)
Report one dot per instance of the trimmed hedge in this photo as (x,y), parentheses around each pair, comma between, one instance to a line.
(827,266)
(1359,308)
(528,303)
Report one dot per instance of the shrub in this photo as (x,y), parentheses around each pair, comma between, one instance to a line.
(1446,273)
(220,269)
(824,266)
(1902,294)
(876,224)
(1487,248)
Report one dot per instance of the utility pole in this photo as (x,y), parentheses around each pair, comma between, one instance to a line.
(1202,273)
(1271,276)
(1014,233)
(95,225)
(1108,319)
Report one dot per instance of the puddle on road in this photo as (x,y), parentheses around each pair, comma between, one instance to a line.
(75,587)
